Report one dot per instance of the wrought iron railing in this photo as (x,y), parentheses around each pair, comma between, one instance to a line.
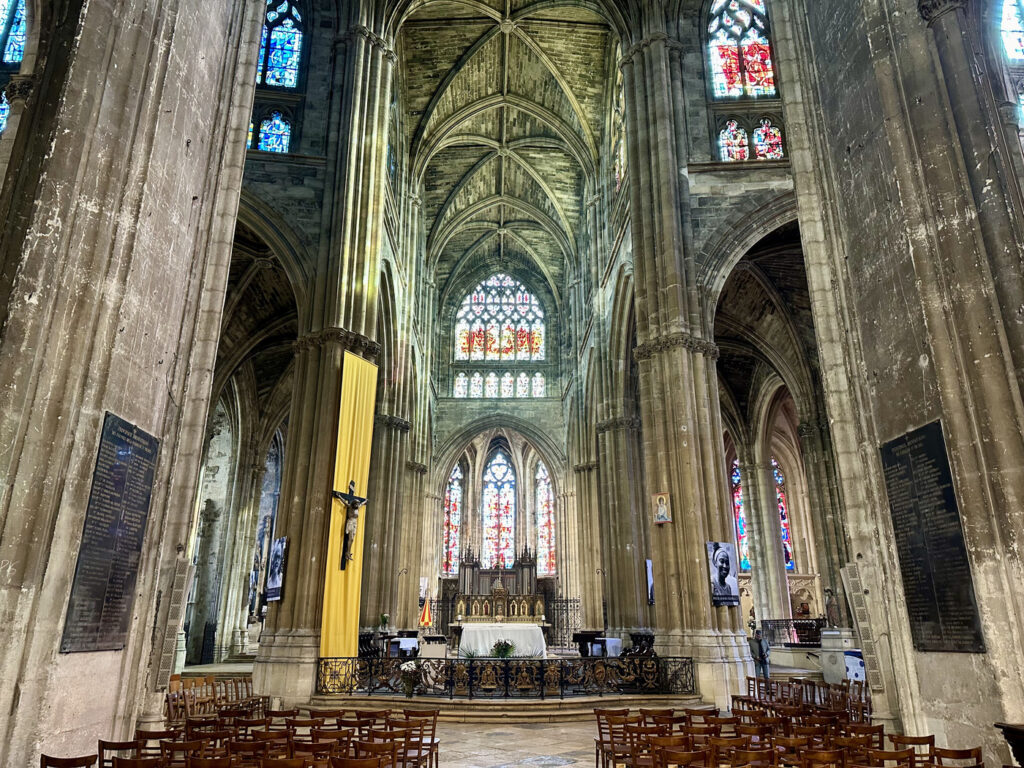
(509,678)
(797,633)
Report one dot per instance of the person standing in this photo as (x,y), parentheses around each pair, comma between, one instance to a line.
(760,650)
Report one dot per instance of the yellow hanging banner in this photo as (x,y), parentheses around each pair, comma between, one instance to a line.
(339,633)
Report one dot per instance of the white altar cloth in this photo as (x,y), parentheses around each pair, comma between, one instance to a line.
(480,638)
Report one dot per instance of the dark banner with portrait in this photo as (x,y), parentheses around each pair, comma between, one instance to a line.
(275,573)
(722,564)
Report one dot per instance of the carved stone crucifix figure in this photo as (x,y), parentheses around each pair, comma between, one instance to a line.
(352,504)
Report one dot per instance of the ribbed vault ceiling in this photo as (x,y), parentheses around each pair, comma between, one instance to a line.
(506,106)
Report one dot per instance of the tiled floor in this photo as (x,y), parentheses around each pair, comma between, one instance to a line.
(538,745)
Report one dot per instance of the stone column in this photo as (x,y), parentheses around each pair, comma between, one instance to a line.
(683,453)
(236,604)
(342,317)
(771,565)
(590,546)
(410,554)
(825,510)
(760,583)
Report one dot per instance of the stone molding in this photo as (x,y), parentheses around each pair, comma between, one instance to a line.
(647,42)
(587,466)
(350,340)
(930,10)
(648,349)
(395,422)
(19,88)
(416,467)
(375,40)
(622,422)
(809,428)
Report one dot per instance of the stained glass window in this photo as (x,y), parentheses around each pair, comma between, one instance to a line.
(13,30)
(499,513)
(732,143)
(538,385)
(5,110)
(275,134)
(783,501)
(452,521)
(461,385)
(248,139)
(545,522)
(507,385)
(491,385)
(738,48)
(476,385)
(1012,29)
(767,141)
(742,541)
(500,320)
(280,45)
(619,127)
(523,385)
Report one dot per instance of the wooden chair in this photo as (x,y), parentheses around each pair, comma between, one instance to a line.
(248,754)
(789,748)
(726,725)
(208,762)
(175,753)
(700,734)
(856,747)
(85,761)
(314,753)
(430,739)
(149,741)
(640,750)
(699,716)
(923,746)
(901,758)
(681,758)
(275,742)
(360,725)
(835,758)
(648,715)
(721,746)
(603,744)
(294,724)
(137,762)
(767,758)
(106,750)
(358,762)
(776,723)
(958,758)
(376,715)
(876,732)
(747,715)
(283,762)
(755,734)
(818,734)
(675,723)
(386,751)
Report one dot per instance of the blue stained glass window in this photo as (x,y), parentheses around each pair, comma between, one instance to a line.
(5,110)
(14,32)
(742,542)
(1012,29)
(783,501)
(275,134)
(280,45)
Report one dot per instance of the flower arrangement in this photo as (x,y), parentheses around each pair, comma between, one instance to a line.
(410,672)
(384,618)
(503,649)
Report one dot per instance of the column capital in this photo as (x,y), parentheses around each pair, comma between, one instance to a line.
(930,10)
(415,466)
(394,422)
(349,340)
(666,341)
(621,422)
(587,466)
(19,88)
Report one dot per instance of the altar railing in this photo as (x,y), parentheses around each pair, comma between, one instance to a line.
(510,678)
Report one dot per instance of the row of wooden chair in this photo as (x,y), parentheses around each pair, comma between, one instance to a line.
(405,739)
(636,739)
(851,697)
(196,696)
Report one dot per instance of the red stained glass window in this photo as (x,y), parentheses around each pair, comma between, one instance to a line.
(452,522)
(740,56)
(783,501)
(499,513)
(739,512)
(767,141)
(545,522)
(732,143)
(501,321)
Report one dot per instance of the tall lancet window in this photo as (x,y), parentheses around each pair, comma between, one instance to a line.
(280,45)
(740,56)
(545,522)
(13,31)
(452,522)
(499,513)
(739,512)
(782,499)
(1012,30)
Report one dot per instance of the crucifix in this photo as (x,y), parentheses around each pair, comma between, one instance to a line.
(352,504)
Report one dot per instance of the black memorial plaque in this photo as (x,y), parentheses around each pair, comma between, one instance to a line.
(100,608)
(936,572)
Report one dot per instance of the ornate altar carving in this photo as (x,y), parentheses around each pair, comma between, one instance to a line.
(499,594)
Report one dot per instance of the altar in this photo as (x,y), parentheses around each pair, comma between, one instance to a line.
(479,638)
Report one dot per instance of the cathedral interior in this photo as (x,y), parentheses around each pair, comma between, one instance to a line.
(660,322)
